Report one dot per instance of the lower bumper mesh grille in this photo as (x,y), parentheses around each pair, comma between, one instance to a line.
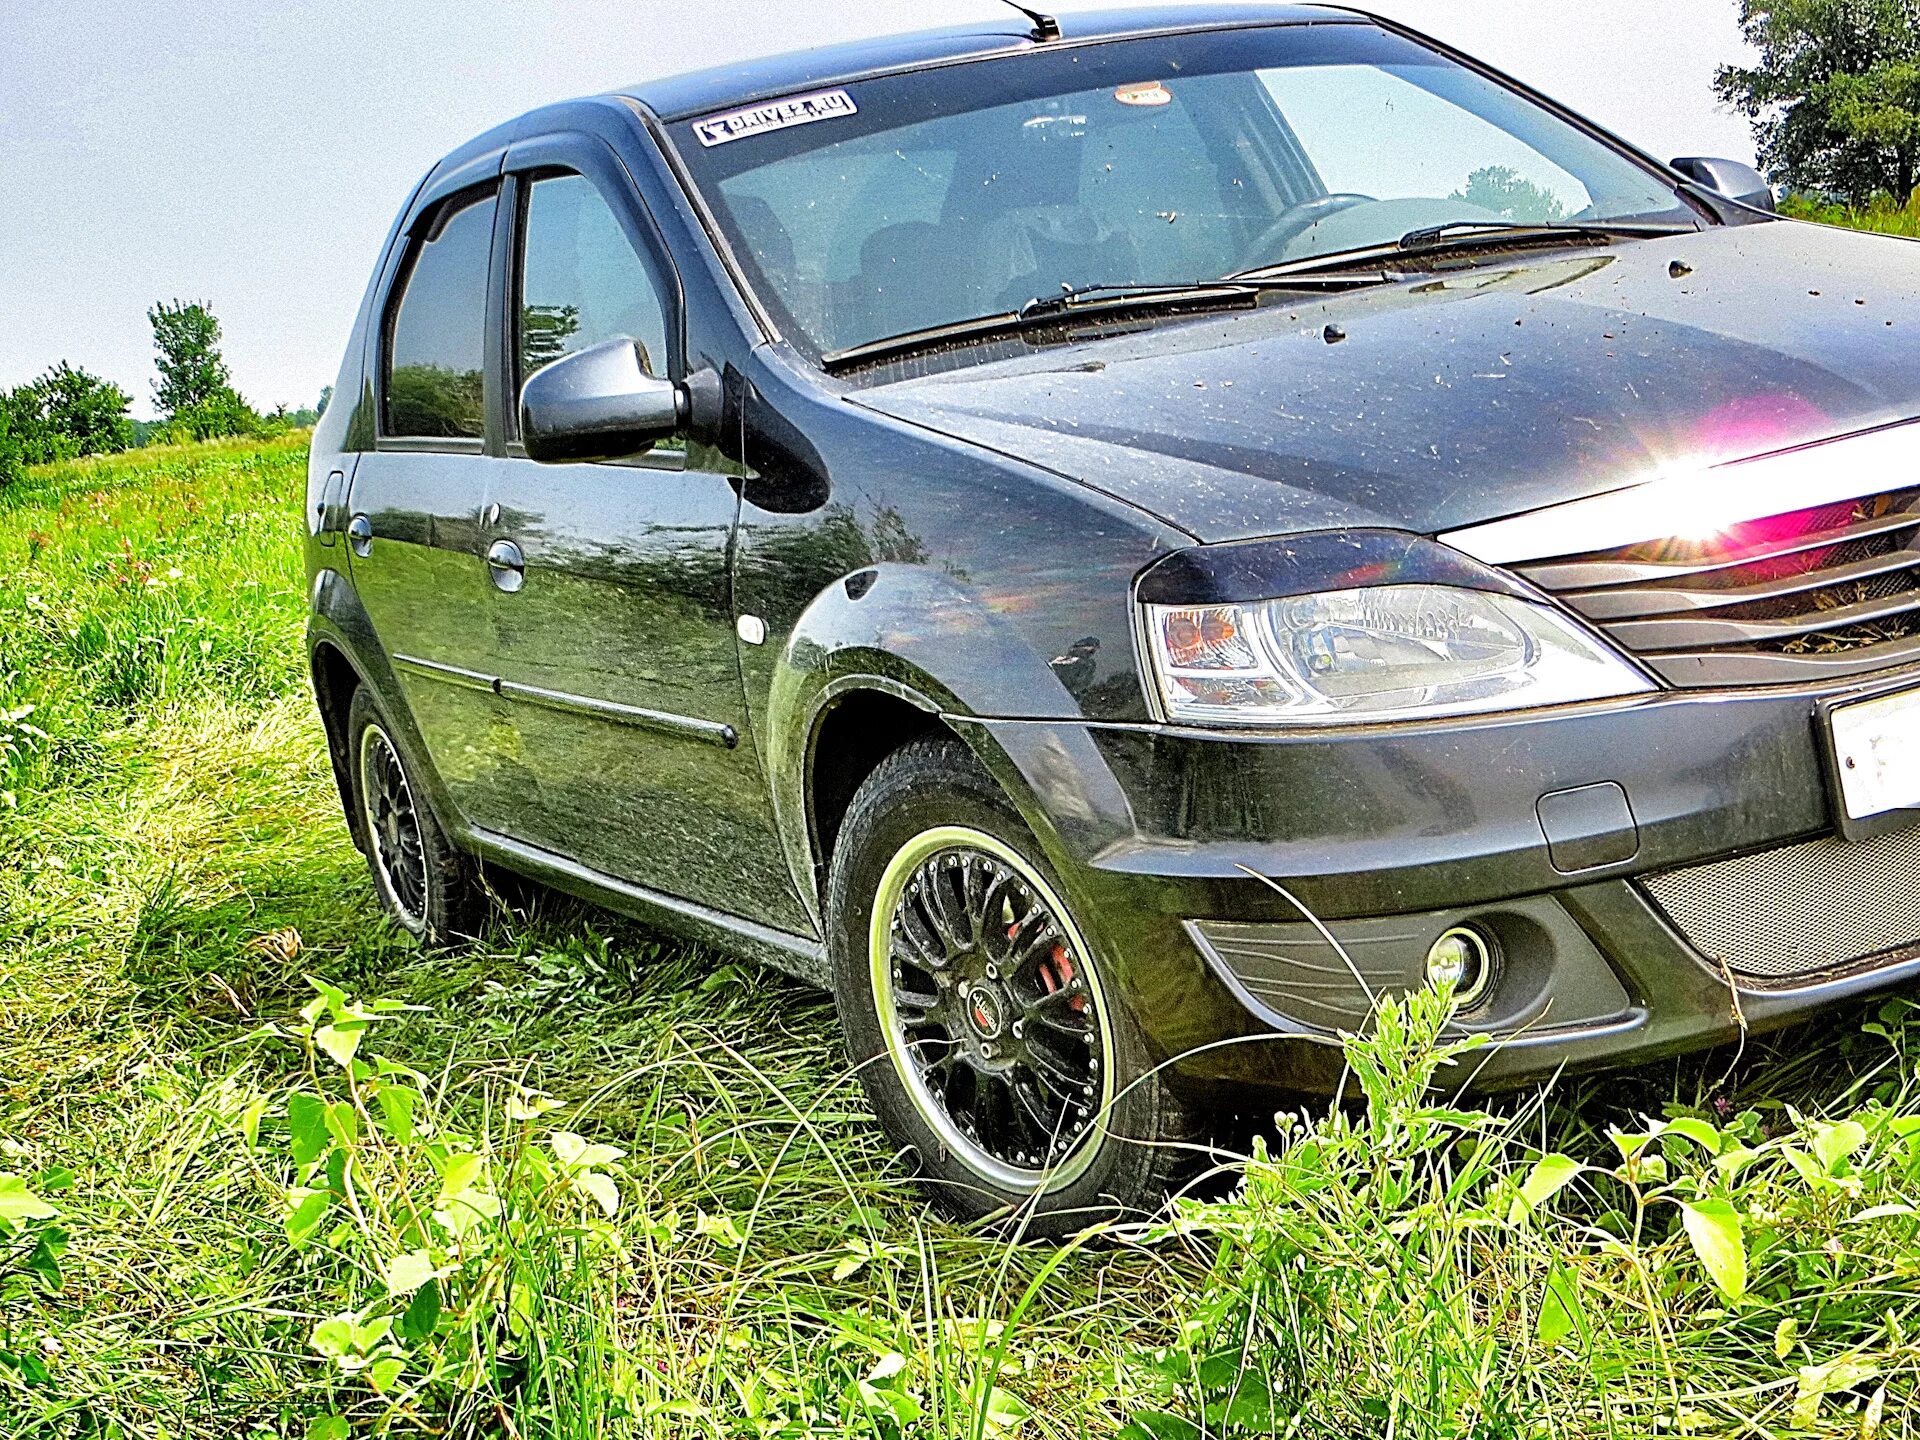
(1802,909)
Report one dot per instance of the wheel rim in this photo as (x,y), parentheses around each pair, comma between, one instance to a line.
(994,1014)
(393,824)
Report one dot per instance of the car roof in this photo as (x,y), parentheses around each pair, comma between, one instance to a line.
(698,92)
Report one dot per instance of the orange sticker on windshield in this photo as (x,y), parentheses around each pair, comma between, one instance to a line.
(1148,92)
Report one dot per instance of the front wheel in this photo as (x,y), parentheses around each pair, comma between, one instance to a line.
(431,889)
(992,1041)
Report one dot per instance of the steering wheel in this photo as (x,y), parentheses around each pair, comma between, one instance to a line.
(1297,219)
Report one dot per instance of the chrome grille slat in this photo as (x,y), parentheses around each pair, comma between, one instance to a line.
(1586,572)
(1639,602)
(1800,910)
(1692,633)
(1834,586)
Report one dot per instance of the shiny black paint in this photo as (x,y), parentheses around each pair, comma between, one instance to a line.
(967,544)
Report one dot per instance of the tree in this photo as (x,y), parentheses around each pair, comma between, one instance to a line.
(12,462)
(1835,96)
(85,410)
(326,399)
(194,388)
(1505,191)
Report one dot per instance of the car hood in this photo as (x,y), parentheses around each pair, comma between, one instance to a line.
(1465,396)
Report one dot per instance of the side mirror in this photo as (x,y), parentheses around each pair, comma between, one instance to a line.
(1741,183)
(598,404)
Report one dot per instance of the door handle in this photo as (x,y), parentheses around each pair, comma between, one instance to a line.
(360,535)
(506,565)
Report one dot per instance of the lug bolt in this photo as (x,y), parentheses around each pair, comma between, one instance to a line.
(993,971)
(1019,1029)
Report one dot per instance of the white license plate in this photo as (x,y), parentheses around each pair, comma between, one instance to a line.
(1877,746)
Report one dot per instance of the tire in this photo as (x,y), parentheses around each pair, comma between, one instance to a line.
(431,890)
(987,1107)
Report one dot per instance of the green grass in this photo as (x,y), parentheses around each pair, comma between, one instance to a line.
(1883,216)
(260,1233)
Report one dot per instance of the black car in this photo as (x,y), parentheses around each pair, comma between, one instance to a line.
(1111,550)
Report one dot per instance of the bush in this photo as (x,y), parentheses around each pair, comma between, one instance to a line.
(1425,1271)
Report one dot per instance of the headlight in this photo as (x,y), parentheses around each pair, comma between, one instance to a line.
(1388,652)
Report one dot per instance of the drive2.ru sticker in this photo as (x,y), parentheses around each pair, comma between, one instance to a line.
(774,115)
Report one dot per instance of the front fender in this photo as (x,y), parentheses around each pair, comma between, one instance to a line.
(921,636)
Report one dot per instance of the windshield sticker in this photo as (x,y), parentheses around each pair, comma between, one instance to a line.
(1146,92)
(775,115)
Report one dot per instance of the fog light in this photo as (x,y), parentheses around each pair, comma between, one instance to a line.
(1467,958)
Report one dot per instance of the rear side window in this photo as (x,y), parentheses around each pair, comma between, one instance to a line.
(436,354)
(581,281)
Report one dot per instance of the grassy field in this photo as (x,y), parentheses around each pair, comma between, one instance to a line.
(266,1169)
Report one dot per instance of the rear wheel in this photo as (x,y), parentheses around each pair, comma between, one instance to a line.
(431,889)
(991,1040)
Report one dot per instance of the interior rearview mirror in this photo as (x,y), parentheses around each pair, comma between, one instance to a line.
(598,404)
(1729,178)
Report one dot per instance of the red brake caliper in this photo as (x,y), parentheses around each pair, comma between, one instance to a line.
(1056,973)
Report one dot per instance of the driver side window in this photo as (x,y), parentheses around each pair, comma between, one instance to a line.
(581,281)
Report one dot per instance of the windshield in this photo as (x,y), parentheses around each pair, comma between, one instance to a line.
(896,204)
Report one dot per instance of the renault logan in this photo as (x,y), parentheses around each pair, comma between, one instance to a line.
(1112,545)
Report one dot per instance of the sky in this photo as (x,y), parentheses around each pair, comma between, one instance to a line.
(252,155)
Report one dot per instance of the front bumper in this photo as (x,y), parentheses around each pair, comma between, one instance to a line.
(1192,854)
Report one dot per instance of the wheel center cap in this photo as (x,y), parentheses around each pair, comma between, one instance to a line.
(986,1011)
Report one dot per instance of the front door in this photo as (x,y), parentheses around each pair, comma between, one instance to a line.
(614,629)
(413,532)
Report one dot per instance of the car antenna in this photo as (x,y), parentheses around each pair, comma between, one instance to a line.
(1045,27)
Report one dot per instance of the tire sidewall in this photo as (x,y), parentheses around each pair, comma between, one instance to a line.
(924,787)
(446,917)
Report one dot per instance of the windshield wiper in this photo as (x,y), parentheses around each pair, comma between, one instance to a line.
(1460,235)
(1455,232)
(1076,300)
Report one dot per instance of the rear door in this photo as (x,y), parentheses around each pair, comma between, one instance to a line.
(614,636)
(413,529)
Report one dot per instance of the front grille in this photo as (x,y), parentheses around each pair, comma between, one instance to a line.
(1829,590)
(1801,910)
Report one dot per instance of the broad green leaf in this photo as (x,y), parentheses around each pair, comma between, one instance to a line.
(343,1123)
(43,1261)
(1549,1176)
(332,997)
(397,1106)
(1834,1143)
(530,1105)
(1159,1425)
(1819,1381)
(334,1337)
(384,1372)
(1714,1228)
(720,1227)
(574,1152)
(1706,1136)
(1629,1144)
(19,1205)
(306,1126)
(1785,1335)
(422,1315)
(1560,1310)
(599,1185)
(887,1366)
(462,1171)
(250,1121)
(369,1333)
(405,1274)
(329,1427)
(340,1040)
(308,1214)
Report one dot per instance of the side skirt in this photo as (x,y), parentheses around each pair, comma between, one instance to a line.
(799,956)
